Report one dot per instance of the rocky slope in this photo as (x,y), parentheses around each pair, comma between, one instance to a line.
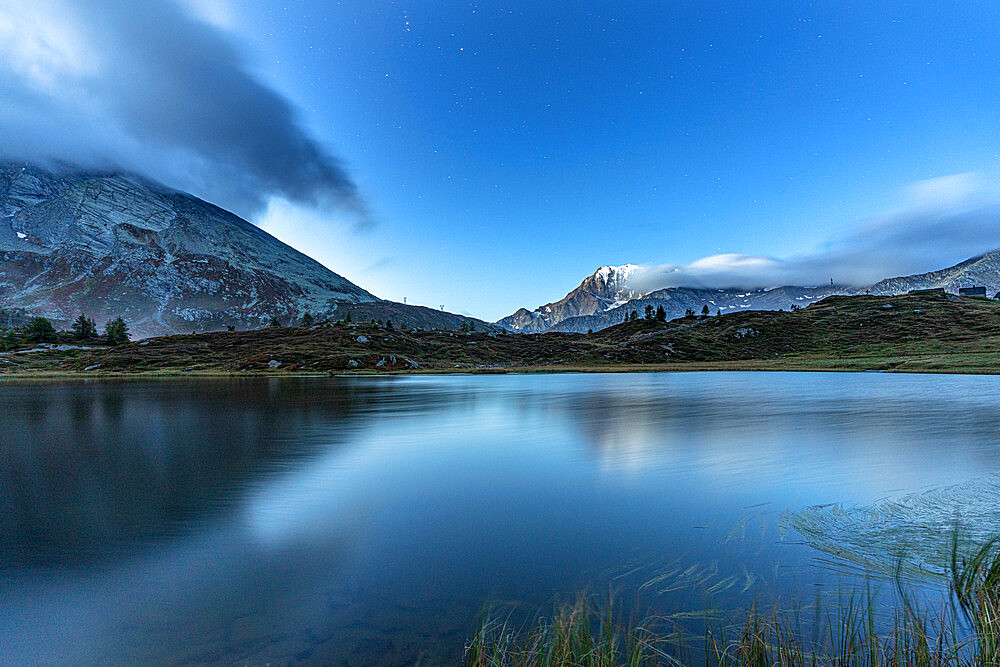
(607,288)
(981,271)
(112,244)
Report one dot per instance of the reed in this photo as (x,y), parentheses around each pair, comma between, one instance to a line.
(963,631)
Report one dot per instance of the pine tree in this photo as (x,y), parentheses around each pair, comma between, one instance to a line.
(9,340)
(689,312)
(307,319)
(388,324)
(633,316)
(84,328)
(40,330)
(273,321)
(649,311)
(661,315)
(704,309)
(116,331)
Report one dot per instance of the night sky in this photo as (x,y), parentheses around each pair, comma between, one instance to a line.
(504,151)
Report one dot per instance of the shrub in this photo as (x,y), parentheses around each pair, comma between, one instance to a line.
(40,330)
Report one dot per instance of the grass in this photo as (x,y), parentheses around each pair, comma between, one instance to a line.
(964,631)
(927,333)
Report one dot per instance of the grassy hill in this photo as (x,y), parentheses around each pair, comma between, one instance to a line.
(921,332)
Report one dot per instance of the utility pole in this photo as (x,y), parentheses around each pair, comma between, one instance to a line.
(404,300)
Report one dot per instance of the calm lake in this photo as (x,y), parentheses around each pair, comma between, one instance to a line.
(369,520)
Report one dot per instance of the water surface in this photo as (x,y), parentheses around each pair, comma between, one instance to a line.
(368,520)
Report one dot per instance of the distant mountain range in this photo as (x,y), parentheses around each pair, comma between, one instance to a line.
(110,244)
(607,297)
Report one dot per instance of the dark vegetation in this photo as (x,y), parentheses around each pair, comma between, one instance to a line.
(920,332)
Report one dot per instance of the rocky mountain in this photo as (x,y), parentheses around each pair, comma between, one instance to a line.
(604,311)
(112,244)
(606,298)
(677,300)
(606,289)
(981,271)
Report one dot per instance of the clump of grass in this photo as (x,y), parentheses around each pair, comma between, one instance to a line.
(577,633)
(856,633)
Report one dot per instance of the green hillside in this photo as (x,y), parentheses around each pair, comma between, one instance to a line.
(919,332)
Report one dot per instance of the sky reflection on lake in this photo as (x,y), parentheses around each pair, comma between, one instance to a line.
(369,519)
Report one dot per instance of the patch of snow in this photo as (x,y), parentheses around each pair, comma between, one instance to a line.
(49,347)
(22,235)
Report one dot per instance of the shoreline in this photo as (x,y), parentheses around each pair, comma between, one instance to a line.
(858,365)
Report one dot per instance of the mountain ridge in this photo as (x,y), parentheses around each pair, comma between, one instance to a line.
(596,313)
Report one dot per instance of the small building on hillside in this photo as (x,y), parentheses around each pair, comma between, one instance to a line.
(972,291)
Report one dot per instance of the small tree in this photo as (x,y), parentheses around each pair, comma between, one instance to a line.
(84,328)
(689,312)
(116,331)
(9,340)
(273,321)
(633,316)
(649,311)
(39,330)
(661,315)
(704,309)
(718,311)
(307,319)
(388,324)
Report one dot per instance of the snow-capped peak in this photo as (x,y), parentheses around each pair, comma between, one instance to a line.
(618,273)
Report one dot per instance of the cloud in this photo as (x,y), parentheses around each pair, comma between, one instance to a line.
(157,88)
(939,223)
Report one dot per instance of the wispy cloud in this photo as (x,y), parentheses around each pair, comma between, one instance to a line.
(156,87)
(939,222)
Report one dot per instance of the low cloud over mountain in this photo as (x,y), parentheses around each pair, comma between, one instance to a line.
(159,89)
(940,222)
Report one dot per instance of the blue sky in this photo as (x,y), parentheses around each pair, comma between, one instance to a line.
(506,150)
(510,149)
